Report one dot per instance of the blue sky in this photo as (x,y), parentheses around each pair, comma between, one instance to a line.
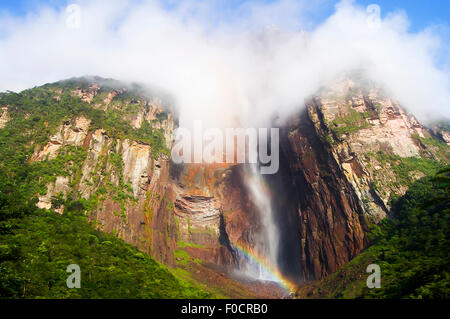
(420,12)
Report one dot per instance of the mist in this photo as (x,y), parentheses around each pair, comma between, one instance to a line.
(233,68)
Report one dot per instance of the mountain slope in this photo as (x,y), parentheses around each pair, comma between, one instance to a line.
(411,249)
(99,148)
(37,245)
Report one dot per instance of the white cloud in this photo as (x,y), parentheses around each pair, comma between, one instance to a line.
(231,68)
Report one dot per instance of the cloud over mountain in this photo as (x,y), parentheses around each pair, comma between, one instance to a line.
(226,66)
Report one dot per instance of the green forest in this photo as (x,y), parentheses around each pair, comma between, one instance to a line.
(37,246)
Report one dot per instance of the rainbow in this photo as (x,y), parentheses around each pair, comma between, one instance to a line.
(272,271)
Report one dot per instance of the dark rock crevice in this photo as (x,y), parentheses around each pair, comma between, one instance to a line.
(225,240)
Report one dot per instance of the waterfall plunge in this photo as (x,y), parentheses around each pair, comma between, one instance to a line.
(267,240)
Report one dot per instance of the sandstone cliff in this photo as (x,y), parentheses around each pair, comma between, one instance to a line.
(122,183)
(369,135)
(343,158)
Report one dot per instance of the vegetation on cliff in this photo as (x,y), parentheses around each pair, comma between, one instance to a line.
(350,123)
(36,246)
(36,113)
(412,249)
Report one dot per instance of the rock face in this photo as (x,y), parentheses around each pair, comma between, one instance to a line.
(111,95)
(4,118)
(359,124)
(87,95)
(137,210)
(446,137)
(122,183)
(70,133)
(141,196)
(137,168)
(442,131)
(207,198)
(61,185)
(331,184)
(331,224)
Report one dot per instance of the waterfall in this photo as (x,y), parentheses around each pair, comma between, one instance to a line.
(267,240)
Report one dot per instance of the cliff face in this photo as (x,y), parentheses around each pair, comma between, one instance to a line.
(342,158)
(122,183)
(349,153)
(72,132)
(371,138)
(331,225)
(206,195)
